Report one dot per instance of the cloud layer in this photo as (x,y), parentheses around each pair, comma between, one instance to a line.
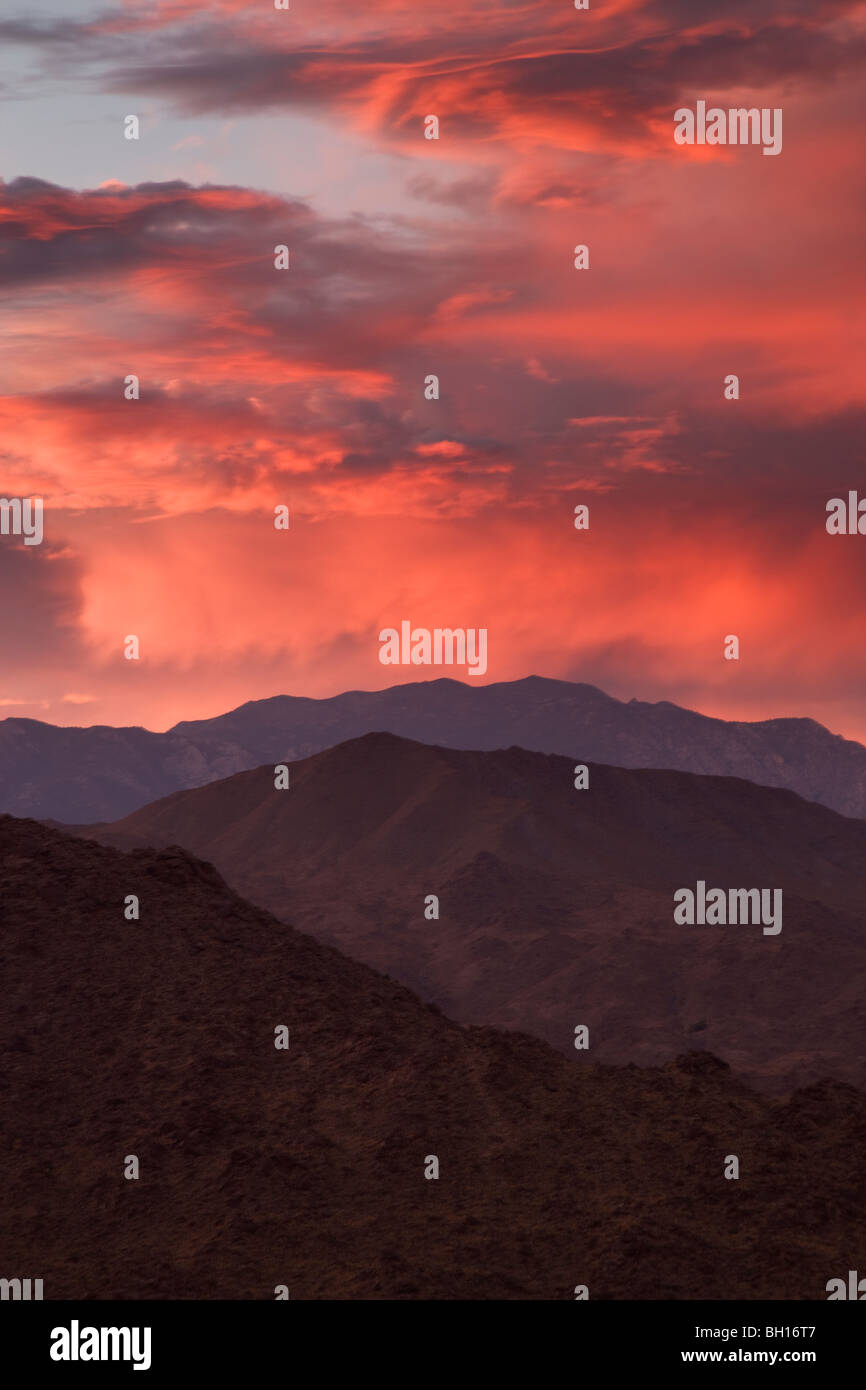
(306,386)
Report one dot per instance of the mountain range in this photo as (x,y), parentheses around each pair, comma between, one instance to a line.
(304,1167)
(80,775)
(555,905)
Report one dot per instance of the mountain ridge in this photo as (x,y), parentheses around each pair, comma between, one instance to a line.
(556,904)
(83,775)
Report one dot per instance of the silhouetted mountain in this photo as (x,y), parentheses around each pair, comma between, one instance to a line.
(80,775)
(155,1039)
(556,905)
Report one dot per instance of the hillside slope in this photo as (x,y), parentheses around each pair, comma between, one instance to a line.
(556,905)
(305,1167)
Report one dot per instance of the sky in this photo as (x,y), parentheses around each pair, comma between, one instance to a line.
(409,257)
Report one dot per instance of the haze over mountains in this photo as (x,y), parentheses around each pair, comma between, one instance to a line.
(305,1167)
(84,775)
(556,905)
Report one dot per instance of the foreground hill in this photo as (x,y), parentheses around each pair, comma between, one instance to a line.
(305,1167)
(84,775)
(556,905)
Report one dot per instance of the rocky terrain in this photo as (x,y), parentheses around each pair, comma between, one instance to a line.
(305,1167)
(556,905)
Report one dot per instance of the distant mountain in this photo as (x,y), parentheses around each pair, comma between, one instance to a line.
(556,905)
(81,775)
(305,1168)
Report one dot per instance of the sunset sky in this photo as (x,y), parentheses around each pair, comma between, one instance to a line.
(409,257)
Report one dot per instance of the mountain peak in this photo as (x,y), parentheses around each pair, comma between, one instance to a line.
(99,774)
